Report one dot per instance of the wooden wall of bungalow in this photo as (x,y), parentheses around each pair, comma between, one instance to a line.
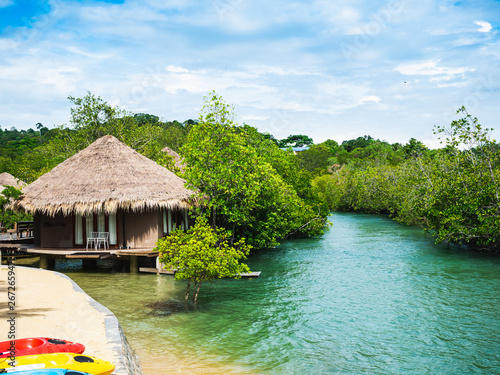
(127,229)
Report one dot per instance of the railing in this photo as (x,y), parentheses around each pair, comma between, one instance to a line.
(20,227)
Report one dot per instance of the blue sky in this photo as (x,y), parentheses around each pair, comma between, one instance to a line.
(329,69)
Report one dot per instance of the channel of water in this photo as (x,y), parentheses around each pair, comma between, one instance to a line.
(369,297)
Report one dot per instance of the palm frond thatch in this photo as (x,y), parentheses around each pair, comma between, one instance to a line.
(106,176)
(178,161)
(6,179)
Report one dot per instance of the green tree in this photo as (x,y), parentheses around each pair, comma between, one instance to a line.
(366,150)
(327,188)
(465,208)
(202,253)
(243,191)
(93,118)
(283,161)
(316,158)
(360,142)
(414,148)
(453,192)
(297,140)
(8,217)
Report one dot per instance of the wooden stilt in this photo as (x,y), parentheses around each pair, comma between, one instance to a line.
(134,264)
(89,264)
(47,262)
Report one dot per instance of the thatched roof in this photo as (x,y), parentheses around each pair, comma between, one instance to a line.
(107,175)
(9,180)
(178,162)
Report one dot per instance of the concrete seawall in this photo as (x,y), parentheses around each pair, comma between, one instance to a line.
(125,360)
(50,304)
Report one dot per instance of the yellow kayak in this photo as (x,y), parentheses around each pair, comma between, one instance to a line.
(69,361)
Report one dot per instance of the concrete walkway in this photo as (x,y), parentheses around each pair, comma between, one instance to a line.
(50,304)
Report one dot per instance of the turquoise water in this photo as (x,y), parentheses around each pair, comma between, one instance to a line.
(369,297)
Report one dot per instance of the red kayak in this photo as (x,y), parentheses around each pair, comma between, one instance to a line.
(38,345)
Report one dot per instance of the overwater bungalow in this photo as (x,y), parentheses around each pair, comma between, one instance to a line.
(109,188)
(178,162)
(6,179)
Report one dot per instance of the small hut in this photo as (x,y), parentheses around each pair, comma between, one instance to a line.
(178,162)
(107,187)
(6,179)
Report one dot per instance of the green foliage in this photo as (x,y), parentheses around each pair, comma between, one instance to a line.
(202,253)
(284,162)
(8,217)
(29,154)
(328,189)
(360,142)
(316,158)
(367,151)
(93,118)
(452,192)
(466,204)
(414,148)
(235,169)
(297,140)
(370,189)
(15,148)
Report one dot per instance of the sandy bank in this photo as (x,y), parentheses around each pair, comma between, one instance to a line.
(50,304)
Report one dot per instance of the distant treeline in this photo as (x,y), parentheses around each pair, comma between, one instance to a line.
(27,154)
(452,192)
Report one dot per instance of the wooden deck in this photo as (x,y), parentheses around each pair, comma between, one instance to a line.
(87,255)
(79,253)
(49,255)
(156,270)
(166,272)
(137,252)
(251,274)
(46,254)
(9,250)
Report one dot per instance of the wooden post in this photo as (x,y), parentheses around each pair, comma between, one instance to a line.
(158,265)
(89,264)
(46,262)
(134,264)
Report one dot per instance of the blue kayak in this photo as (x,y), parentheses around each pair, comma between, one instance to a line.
(49,371)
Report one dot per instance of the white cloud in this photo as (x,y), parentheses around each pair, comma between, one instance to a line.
(243,86)
(485,27)
(92,55)
(254,118)
(280,63)
(8,44)
(6,3)
(58,79)
(430,68)
(370,98)
(465,41)
(176,69)
(275,70)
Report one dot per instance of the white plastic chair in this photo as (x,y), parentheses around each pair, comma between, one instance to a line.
(103,238)
(92,240)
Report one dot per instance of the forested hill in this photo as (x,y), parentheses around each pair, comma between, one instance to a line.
(27,154)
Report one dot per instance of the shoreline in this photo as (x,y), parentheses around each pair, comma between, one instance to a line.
(41,303)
